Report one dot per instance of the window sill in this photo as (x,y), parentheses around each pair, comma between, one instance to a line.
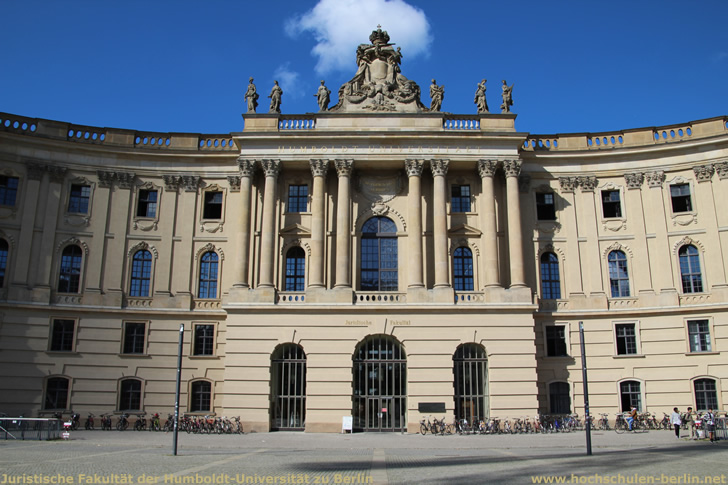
(554,357)
(204,357)
(62,352)
(629,356)
(130,356)
(712,352)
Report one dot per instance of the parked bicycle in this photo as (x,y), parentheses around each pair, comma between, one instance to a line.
(141,422)
(106,422)
(123,422)
(89,424)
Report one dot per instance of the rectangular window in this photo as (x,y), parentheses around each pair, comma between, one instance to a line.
(134,335)
(680,195)
(62,335)
(213,205)
(556,341)
(8,190)
(611,205)
(545,207)
(204,340)
(297,198)
(78,202)
(460,198)
(626,338)
(147,203)
(699,336)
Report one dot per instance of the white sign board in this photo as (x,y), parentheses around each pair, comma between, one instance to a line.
(346,423)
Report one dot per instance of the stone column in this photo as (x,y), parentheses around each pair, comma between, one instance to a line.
(515,238)
(414,206)
(486,169)
(659,245)
(44,261)
(319,168)
(267,236)
(343,225)
(247,168)
(439,170)
(22,279)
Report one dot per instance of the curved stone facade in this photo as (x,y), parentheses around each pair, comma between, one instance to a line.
(303,239)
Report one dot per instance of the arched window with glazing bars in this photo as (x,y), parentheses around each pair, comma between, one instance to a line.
(288,388)
(470,370)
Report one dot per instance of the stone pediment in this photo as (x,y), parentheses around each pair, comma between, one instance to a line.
(295,230)
(378,85)
(464,230)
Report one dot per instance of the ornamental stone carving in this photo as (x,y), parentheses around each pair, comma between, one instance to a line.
(524,183)
(190,182)
(655,179)
(439,167)
(172,182)
(56,173)
(634,180)
(125,179)
(486,168)
(271,168)
(35,170)
(105,178)
(344,167)
(512,167)
(414,167)
(378,84)
(319,167)
(704,172)
(568,184)
(247,167)
(722,169)
(234,183)
(587,183)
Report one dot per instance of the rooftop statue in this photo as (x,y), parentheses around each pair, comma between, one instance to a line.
(323,95)
(275,98)
(437,93)
(480,100)
(378,84)
(507,98)
(251,96)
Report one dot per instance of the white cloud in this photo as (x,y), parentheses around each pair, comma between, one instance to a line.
(288,80)
(339,26)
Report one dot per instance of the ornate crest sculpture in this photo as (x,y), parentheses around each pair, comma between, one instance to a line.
(378,84)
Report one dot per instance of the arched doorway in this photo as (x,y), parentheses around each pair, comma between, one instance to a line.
(470,370)
(380,385)
(288,388)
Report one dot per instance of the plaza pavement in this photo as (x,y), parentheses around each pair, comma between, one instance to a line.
(388,458)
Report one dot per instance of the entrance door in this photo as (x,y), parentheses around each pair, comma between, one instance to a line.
(380,377)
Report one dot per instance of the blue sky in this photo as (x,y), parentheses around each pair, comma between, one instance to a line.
(183,66)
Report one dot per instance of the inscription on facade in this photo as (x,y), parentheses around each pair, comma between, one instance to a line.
(369,149)
(358,323)
(400,322)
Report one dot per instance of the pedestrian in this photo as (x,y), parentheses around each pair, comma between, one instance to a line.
(709,424)
(676,422)
(689,420)
(631,417)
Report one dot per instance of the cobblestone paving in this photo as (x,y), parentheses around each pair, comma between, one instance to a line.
(284,458)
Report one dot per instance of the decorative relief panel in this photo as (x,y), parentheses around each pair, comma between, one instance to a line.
(379,189)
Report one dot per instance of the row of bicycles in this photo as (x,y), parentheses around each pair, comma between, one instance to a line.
(140,422)
(539,424)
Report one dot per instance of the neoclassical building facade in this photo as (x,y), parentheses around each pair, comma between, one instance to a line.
(379,260)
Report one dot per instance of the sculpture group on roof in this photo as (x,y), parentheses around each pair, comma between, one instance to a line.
(379,86)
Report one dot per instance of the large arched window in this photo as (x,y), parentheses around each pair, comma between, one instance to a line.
(559,398)
(470,382)
(295,269)
(618,275)
(379,255)
(200,396)
(550,279)
(380,385)
(208,275)
(692,279)
(463,270)
(141,273)
(56,393)
(3,260)
(130,395)
(706,394)
(288,388)
(69,279)
(630,394)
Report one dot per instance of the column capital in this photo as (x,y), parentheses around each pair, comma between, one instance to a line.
(271,167)
(722,169)
(234,183)
(344,167)
(105,178)
(704,172)
(246,166)
(568,184)
(125,179)
(634,180)
(190,182)
(588,183)
(57,174)
(512,167)
(439,167)
(172,182)
(414,167)
(35,170)
(319,167)
(486,168)
(655,179)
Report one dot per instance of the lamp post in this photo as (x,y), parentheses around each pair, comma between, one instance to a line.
(587,419)
(179,380)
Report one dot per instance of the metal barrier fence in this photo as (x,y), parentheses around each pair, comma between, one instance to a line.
(30,428)
(721,432)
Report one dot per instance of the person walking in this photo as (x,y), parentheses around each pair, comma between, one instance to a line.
(689,420)
(709,424)
(676,421)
